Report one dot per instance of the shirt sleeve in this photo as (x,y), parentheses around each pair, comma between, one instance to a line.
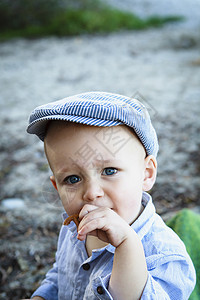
(170,281)
(49,287)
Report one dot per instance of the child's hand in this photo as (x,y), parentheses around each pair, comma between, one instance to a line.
(104,223)
(129,256)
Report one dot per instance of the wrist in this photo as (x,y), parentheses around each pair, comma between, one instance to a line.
(129,239)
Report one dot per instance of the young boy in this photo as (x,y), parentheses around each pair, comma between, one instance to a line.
(102,150)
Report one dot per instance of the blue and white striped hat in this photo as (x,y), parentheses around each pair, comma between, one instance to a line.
(97,109)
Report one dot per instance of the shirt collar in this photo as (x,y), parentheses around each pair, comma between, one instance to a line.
(144,222)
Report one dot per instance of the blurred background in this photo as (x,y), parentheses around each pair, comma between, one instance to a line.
(57,48)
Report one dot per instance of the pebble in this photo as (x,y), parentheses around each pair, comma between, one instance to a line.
(13,203)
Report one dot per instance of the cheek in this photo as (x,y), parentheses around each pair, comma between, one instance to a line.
(68,197)
(127,199)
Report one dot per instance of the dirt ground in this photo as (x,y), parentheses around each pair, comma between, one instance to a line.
(159,66)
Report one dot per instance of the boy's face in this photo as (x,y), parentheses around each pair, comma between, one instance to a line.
(101,166)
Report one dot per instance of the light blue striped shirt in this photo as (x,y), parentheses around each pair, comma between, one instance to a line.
(171,274)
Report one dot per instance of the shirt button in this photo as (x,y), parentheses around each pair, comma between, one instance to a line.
(100,290)
(86,267)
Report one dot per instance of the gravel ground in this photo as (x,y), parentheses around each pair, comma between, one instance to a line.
(161,67)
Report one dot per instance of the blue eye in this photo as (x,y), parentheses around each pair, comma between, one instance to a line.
(72,179)
(109,171)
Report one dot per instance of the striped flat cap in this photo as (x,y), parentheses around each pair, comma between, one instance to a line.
(97,109)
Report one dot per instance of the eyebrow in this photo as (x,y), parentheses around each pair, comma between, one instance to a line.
(106,160)
(94,161)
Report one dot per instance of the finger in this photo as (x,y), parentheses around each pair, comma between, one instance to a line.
(82,237)
(92,212)
(88,214)
(87,208)
(96,220)
(90,228)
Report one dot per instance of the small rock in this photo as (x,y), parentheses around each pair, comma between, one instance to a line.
(13,203)
(23,264)
(14,284)
(184,42)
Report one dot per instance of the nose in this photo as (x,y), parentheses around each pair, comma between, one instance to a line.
(92,191)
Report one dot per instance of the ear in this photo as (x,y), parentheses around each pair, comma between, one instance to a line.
(149,172)
(53,181)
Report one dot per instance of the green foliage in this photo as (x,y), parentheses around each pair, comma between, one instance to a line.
(35,18)
(187,225)
(20,14)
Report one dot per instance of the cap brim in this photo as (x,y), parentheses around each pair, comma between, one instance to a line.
(38,127)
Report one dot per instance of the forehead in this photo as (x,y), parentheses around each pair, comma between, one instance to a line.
(84,141)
